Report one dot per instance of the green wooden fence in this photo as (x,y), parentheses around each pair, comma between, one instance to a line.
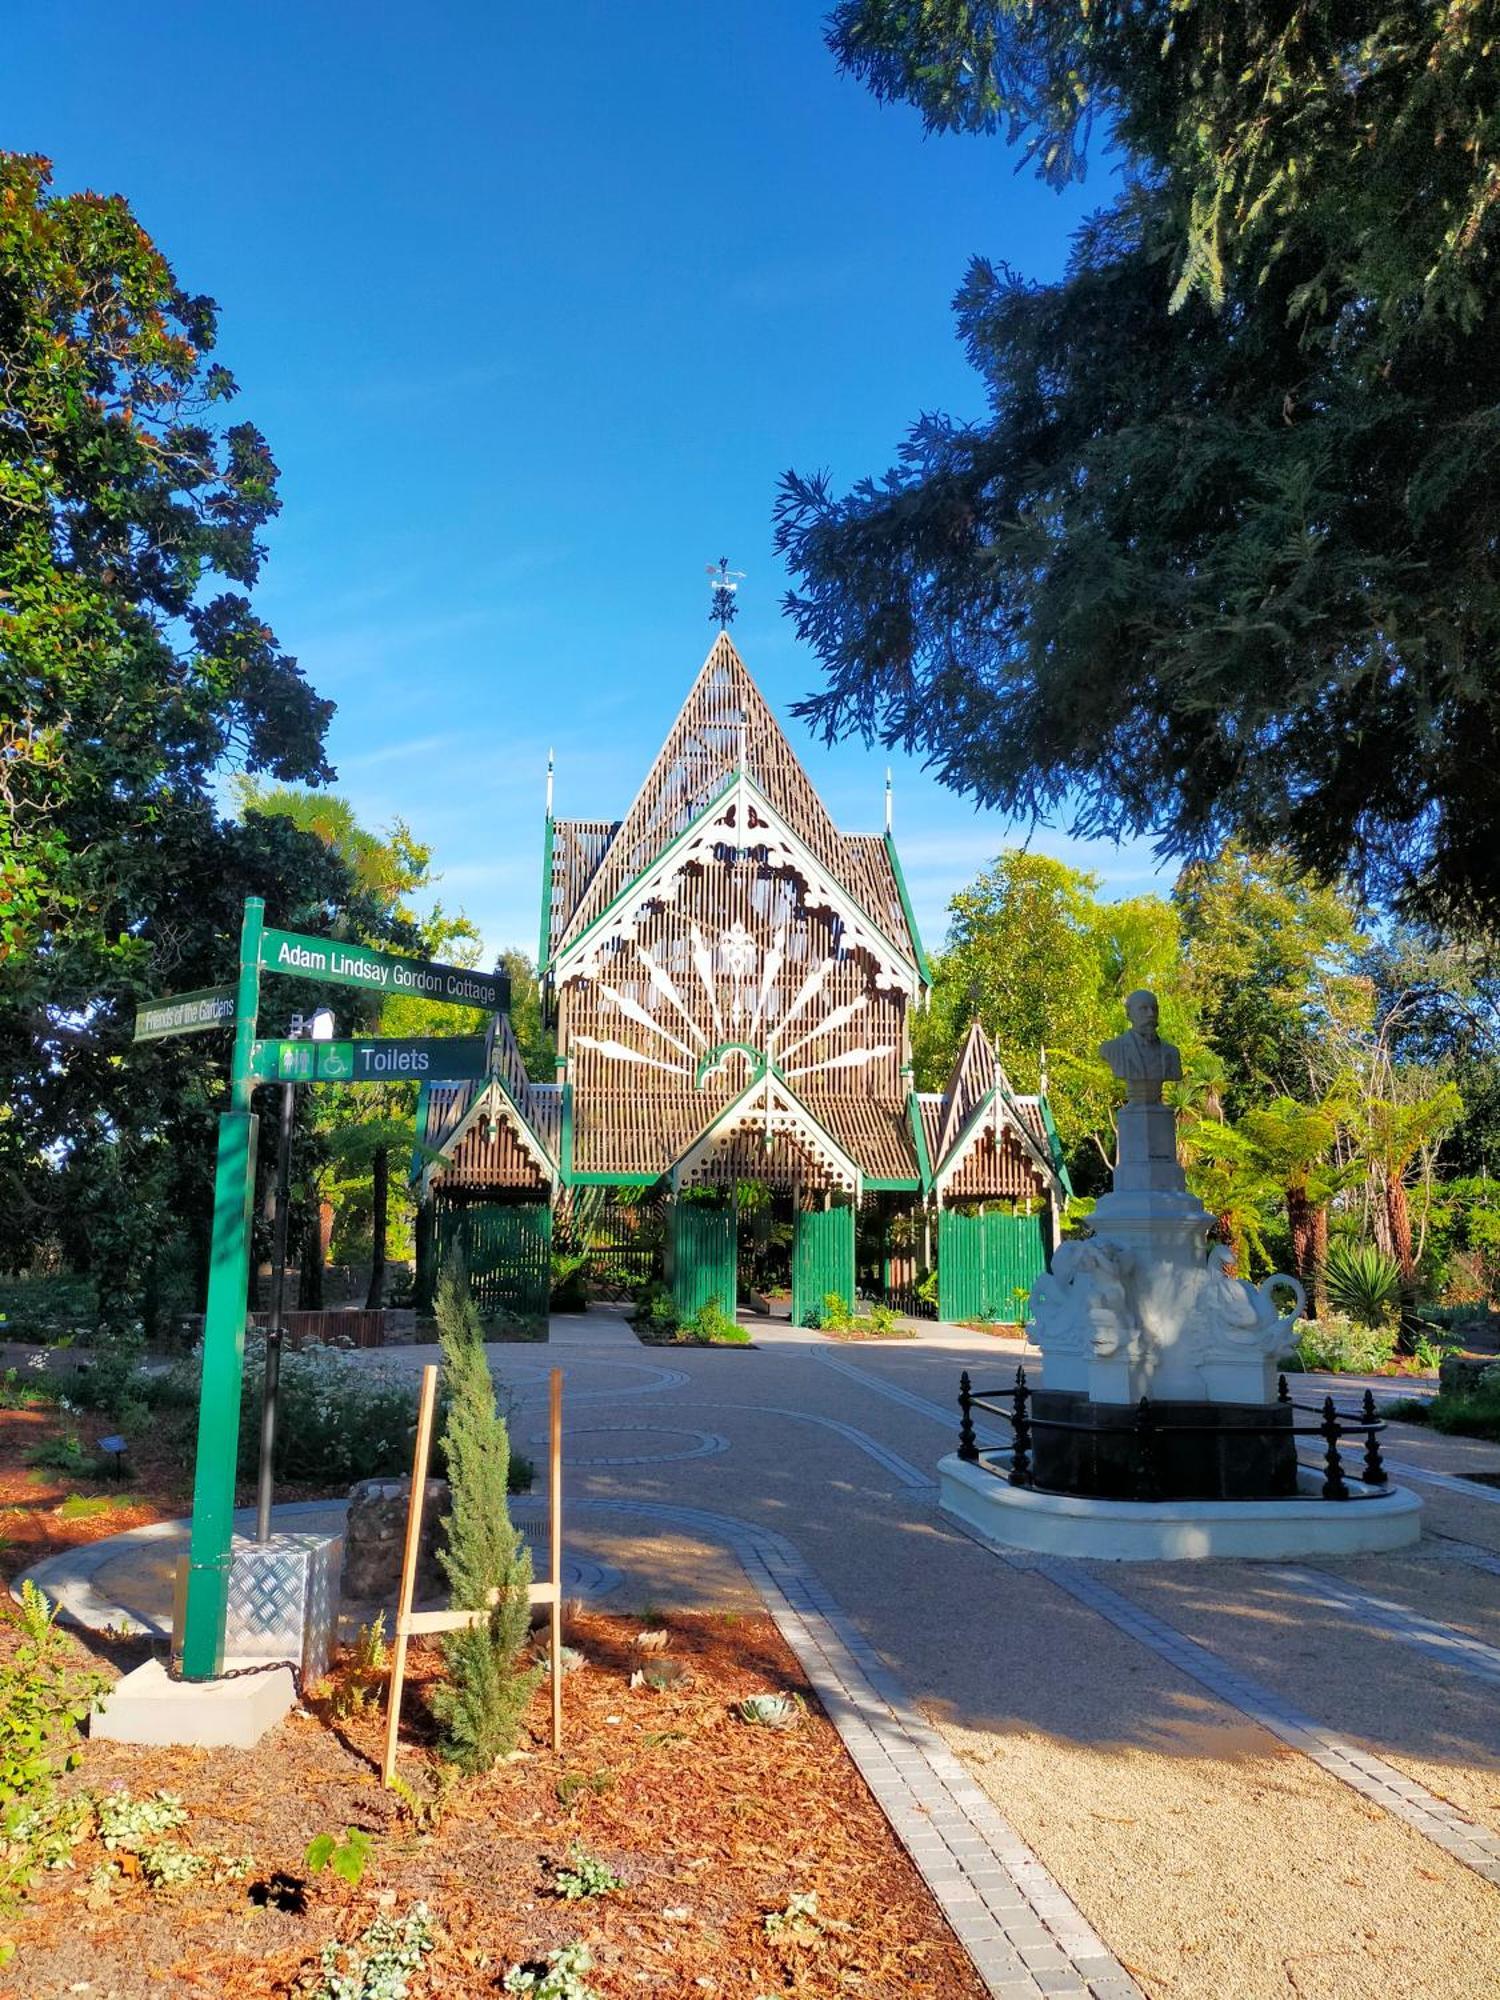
(703,1244)
(822,1259)
(985,1259)
(507,1249)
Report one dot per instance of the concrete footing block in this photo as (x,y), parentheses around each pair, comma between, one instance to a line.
(147,1706)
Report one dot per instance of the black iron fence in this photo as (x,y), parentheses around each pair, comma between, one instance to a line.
(1013,1405)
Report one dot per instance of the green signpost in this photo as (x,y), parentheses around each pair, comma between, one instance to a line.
(437,1058)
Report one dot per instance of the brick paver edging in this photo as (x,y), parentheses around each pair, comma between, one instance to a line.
(1440,1642)
(1024,1934)
(1364,1772)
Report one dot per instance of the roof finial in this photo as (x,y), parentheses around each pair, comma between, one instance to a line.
(887,798)
(550,760)
(1041,1088)
(723,582)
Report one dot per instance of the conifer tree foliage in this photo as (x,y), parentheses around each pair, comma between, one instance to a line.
(1222,558)
(488,1690)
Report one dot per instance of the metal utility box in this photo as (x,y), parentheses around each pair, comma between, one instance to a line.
(283,1601)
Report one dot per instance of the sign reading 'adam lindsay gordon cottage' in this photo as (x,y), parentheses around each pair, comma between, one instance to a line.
(184,1013)
(381,971)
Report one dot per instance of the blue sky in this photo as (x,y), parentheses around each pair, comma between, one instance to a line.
(534,307)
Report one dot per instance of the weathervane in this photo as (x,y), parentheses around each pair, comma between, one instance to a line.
(723,582)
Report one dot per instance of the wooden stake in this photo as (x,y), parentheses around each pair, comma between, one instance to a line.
(425,1406)
(555,1523)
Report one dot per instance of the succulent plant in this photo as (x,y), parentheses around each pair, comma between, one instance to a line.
(772,1711)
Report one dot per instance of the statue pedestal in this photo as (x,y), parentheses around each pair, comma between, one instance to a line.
(1144,1305)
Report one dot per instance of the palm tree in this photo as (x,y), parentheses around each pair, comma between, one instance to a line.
(1293,1145)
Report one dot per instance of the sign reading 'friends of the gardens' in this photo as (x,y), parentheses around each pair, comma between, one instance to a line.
(381,971)
(185,1013)
(375,1059)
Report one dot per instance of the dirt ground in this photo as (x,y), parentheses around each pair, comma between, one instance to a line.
(712,1825)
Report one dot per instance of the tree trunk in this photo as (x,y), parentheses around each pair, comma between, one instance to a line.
(1302,1221)
(310,1273)
(1320,1263)
(1224,1231)
(1398,1220)
(379,1203)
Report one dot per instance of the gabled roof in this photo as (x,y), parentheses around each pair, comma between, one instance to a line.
(459,1120)
(972,1080)
(769,1108)
(739,812)
(724,725)
(980,1102)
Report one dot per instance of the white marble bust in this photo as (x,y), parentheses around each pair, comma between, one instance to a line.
(1140,1058)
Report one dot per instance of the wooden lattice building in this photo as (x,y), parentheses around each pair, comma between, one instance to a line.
(732,981)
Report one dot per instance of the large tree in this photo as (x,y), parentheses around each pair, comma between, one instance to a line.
(1273,964)
(1044,963)
(1221,559)
(133,670)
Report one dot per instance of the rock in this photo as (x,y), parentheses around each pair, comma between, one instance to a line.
(1459,1374)
(376,1536)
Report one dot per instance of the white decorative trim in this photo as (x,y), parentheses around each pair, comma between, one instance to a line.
(767,1102)
(1002,1115)
(741,817)
(493,1102)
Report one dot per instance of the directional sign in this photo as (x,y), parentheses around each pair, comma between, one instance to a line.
(184,1013)
(381,971)
(373,1059)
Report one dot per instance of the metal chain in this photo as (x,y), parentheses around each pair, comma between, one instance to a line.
(175,1673)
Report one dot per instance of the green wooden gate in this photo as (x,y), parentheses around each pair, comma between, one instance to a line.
(985,1259)
(507,1250)
(822,1260)
(703,1242)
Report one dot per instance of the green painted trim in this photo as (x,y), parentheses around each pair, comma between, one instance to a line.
(892,1187)
(546,931)
(571,944)
(540,1143)
(708,1063)
(961,1136)
(565,1142)
(1055,1145)
(919,1140)
(923,964)
(738,1099)
(419,1129)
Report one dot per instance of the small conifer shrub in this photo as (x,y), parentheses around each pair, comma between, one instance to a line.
(489,1686)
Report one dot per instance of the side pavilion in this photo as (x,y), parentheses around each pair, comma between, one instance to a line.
(731,980)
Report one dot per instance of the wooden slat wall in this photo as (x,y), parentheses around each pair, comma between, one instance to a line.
(637,1118)
(988,1170)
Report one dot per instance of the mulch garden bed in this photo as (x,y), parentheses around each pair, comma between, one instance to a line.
(713,1825)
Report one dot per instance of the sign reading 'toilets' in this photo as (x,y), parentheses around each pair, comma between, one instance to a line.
(382,971)
(373,1059)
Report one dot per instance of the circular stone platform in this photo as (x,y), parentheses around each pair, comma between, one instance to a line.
(1063,1524)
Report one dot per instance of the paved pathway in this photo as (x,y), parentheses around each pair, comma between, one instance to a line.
(801,1474)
